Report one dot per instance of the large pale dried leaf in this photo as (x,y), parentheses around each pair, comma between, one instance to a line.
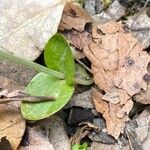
(12,125)
(26,26)
(115,125)
(38,139)
(74,17)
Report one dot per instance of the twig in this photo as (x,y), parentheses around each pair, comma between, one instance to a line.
(31,99)
(16,95)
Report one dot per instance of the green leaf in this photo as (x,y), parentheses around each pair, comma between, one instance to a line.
(46,85)
(58,56)
(80,146)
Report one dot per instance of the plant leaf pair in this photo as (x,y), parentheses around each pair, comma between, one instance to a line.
(58,56)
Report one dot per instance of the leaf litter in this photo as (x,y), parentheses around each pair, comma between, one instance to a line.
(118,66)
(12,125)
(37,140)
(74,17)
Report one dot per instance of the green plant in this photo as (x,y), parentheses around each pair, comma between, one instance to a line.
(80,146)
(57,80)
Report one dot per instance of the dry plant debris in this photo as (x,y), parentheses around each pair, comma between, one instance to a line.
(143,96)
(114,124)
(37,140)
(119,66)
(12,125)
(83,131)
(79,39)
(74,17)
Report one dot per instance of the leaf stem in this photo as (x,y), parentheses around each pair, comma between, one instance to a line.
(4,54)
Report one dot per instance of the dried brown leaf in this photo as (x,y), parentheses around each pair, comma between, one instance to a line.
(117,59)
(119,65)
(12,125)
(115,125)
(74,17)
(79,39)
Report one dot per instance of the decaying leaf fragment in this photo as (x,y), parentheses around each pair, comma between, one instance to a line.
(74,17)
(12,125)
(119,65)
(38,139)
(114,124)
(79,39)
(143,96)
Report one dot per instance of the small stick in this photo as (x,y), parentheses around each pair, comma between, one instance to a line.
(28,98)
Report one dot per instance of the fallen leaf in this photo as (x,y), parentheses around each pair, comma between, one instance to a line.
(79,39)
(38,139)
(27,26)
(115,125)
(119,66)
(74,17)
(118,59)
(12,125)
